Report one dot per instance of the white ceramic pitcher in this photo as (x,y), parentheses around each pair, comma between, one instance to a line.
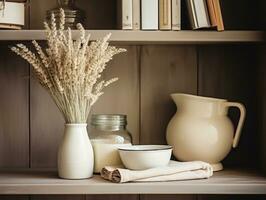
(201,129)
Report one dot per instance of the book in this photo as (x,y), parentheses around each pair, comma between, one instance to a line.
(136,14)
(12,15)
(218,14)
(149,14)
(124,14)
(202,14)
(212,14)
(176,15)
(198,12)
(165,15)
(192,14)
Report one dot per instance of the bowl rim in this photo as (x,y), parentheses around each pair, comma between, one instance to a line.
(155,148)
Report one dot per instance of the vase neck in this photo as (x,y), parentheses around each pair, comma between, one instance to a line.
(75,129)
(76,125)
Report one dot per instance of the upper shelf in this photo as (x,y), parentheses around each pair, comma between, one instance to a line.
(44,182)
(149,37)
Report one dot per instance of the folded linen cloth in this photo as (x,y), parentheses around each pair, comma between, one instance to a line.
(175,171)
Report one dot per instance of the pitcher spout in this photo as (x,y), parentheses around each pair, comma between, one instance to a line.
(178,98)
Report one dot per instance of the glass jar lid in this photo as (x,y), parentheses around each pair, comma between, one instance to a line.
(109,122)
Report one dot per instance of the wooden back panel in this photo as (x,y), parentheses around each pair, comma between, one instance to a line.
(31,126)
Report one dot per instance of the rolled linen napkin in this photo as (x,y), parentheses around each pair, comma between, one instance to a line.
(175,171)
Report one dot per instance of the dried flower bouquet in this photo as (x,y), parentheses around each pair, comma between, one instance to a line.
(70,70)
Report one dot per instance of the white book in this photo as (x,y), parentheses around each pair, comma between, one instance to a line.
(149,14)
(124,15)
(12,14)
(202,14)
(165,18)
(176,15)
(136,14)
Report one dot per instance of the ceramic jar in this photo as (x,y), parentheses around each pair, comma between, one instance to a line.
(75,155)
(201,129)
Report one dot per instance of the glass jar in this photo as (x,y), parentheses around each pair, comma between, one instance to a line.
(107,134)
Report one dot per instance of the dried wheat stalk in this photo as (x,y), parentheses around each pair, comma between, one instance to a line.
(70,70)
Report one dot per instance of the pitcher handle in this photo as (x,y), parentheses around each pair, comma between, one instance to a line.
(242,109)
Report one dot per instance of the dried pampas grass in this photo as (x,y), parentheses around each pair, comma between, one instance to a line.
(70,70)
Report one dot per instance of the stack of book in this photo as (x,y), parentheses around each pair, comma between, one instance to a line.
(149,14)
(166,14)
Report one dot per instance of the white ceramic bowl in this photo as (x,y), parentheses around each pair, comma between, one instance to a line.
(141,157)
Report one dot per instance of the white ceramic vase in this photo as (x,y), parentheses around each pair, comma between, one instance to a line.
(201,129)
(75,155)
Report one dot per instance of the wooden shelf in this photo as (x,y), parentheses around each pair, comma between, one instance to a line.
(46,182)
(143,37)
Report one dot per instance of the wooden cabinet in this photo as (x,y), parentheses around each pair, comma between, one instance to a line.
(228,64)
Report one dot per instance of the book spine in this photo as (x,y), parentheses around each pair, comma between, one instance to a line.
(176,15)
(149,14)
(192,14)
(124,9)
(218,14)
(165,14)
(136,14)
(212,13)
(206,14)
(202,13)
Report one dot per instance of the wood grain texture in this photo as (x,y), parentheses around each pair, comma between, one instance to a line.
(14,110)
(58,197)
(231,197)
(3,197)
(112,197)
(164,70)
(123,96)
(47,126)
(230,72)
(42,182)
(168,197)
(150,37)
(19,1)
(94,12)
